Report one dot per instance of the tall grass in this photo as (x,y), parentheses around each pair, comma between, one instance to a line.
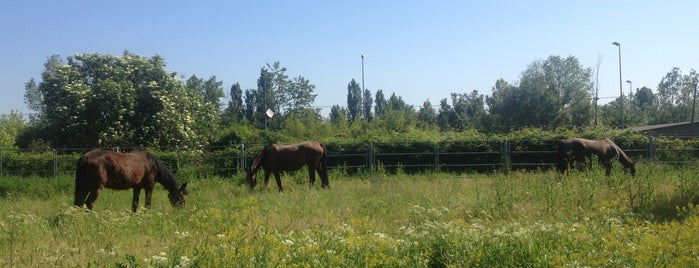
(527,219)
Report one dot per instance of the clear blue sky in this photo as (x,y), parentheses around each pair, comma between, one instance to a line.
(418,49)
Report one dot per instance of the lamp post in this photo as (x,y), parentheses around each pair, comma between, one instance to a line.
(361,95)
(621,91)
(630,99)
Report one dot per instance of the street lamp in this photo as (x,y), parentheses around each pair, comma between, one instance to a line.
(362,73)
(361,95)
(621,91)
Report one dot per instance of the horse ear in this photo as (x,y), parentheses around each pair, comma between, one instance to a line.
(183,186)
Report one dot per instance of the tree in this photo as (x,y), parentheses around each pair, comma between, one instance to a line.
(299,95)
(398,117)
(366,109)
(644,106)
(675,97)
(283,96)
(426,116)
(446,117)
(553,92)
(354,101)
(380,103)
(468,110)
(11,126)
(33,98)
(98,100)
(338,116)
(235,111)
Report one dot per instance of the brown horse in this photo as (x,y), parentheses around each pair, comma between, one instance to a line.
(275,158)
(578,150)
(99,169)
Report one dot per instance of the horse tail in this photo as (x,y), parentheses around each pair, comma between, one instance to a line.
(561,156)
(80,188)
(324,167)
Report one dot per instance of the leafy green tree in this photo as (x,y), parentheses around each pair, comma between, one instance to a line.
(469,109)
(283,96)
(11,126)
(643,108)
(338,115)
(380,103)
(210,90)
(354,101)
(399,117)
(235,111)
(33,98)
(97,100)
(426,115)
(551,93)
(250,104)
(366,109)
(675,94)
(446,117)
(299,96)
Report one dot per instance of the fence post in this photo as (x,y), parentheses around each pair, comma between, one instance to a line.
(370,156)
(242,158)
(55,163)
(651,148)
(436,157)
(179,156)
(505,151)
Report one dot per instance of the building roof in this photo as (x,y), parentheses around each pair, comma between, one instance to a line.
(684,129)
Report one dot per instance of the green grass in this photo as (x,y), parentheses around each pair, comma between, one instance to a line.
(532,219)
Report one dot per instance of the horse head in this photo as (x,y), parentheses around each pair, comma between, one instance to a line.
(178,198)
(252,177)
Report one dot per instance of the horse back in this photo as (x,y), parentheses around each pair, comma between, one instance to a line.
(291,157)
(114,170)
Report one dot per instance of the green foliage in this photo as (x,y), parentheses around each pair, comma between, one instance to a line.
(554,92)
(11,126)
(126,100)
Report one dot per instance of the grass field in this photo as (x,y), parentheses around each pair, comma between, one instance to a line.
(532,219)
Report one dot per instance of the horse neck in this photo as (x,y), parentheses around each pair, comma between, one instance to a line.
(257,161)
(623,158)
(164,175)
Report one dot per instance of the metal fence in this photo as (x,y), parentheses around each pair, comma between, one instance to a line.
(451,156)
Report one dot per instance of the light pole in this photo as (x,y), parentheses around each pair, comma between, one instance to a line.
(362,73)
(621,91)
(361,95)
(630,99)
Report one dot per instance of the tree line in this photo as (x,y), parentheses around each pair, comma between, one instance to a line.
(98,100)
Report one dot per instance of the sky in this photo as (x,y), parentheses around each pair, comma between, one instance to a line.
(419,50)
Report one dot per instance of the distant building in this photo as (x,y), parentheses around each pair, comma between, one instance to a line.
(677,130)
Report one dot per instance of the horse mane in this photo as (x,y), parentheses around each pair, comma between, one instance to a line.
(259,158)
(623,157)
(163,174)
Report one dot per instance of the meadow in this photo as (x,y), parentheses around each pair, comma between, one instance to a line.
(520,219)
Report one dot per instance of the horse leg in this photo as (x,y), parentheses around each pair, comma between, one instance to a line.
(323,171)
(279,180)
(608,166)
(266,178)
(149,194)
(92,196)
(136,196)
(311,174)
(80,195)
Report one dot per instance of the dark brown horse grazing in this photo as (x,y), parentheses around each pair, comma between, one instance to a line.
(578,150)
(275,158)
(99,169)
